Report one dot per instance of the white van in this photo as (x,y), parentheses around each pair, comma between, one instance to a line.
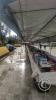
(43,72)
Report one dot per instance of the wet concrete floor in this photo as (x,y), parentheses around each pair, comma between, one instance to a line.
(16,82)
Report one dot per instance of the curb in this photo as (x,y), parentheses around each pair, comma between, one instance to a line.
(5,56)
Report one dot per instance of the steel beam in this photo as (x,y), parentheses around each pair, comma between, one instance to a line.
(28,11)
(47,39)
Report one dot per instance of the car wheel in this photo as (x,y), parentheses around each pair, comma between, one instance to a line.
(44,87)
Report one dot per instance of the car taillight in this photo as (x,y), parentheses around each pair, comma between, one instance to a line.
(53,69)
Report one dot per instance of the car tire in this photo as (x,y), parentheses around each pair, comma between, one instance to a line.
(43,87)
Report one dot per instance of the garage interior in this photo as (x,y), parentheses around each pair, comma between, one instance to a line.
(34,22)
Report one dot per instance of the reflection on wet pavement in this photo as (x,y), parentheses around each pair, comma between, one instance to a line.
(15,79)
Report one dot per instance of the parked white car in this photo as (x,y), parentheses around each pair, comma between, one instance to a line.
(44,79)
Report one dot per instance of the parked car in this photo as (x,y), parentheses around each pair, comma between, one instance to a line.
(10,47)
(43,67)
